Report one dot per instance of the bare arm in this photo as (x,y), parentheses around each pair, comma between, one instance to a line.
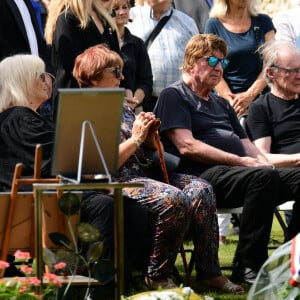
(278,160)
(253,151)
(134,100)
(202,152)
(224,91)
(139,94)
(243,100)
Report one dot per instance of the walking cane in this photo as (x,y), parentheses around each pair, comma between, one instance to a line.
(166,180)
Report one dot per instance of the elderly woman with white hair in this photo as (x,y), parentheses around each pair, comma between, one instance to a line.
(24,87)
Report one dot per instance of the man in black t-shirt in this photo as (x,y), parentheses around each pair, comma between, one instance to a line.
(274,118)
(203,129)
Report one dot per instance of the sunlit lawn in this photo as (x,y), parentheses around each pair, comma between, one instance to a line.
(226,253)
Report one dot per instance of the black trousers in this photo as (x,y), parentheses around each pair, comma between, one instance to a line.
(259,191)
(98,210)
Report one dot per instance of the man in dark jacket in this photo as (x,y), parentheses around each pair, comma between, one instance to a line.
(20,32)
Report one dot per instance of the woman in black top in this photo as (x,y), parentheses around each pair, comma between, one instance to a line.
(135,55)
(74,26)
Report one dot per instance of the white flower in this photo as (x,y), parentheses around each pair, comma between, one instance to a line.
(187,291)
(164,295)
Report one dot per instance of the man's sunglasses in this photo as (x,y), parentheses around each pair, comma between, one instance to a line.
(116,70)
(213,61)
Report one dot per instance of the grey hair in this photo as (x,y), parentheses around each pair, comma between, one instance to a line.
(270,51)
(17,75)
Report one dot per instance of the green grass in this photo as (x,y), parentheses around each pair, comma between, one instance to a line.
(226,253)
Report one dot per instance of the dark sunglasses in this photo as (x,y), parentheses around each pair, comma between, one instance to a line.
(43,76)
(116,70)
(213,61)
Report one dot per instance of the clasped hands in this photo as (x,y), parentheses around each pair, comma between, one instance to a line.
(240,102)
(144,128)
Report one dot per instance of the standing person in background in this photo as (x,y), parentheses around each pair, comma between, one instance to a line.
(167,49)
(197,9)
(287,24)
(135,55)
(72,27)
(20,31)
(243,29)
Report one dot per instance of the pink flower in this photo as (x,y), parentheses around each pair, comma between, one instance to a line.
(52,279)
(4,264)
(33,281)
(23,289)
(60,265)
(20,255)
(26,269)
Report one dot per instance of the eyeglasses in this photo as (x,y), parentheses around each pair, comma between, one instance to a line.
(117,71)
(292,71)
(43,76)
(213,61)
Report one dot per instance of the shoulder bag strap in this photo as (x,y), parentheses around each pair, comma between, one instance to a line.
(157,29)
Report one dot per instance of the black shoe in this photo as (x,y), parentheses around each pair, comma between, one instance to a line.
(243,275)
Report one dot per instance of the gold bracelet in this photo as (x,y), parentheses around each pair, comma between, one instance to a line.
(136,142)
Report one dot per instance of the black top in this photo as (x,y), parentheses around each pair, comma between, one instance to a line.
(277,118)
(213,122)
(136,57)
(70,40)
(13,36)
(244,61)
(21,129)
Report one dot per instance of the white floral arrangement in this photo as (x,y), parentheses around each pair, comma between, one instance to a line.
(184,293)
(167,295)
